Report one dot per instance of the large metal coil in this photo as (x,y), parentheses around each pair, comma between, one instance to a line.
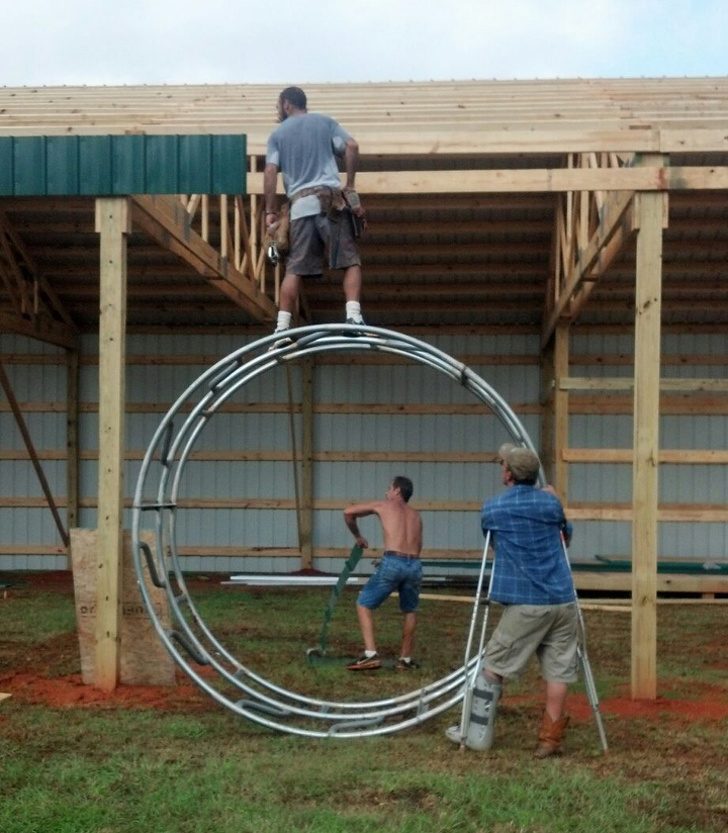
(191,643)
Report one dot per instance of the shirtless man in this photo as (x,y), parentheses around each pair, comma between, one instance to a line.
(400,569)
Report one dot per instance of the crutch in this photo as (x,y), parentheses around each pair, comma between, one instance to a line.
(589,685)
(471,680)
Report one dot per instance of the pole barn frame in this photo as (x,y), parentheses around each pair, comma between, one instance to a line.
(608,168)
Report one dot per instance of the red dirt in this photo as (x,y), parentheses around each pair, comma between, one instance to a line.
(30,685)
(69,691)
(60,692)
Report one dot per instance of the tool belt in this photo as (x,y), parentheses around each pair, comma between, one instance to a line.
(331,200)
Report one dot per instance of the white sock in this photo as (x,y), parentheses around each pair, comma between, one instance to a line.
(353,310)
(370,654)
(284,320)
(405,659)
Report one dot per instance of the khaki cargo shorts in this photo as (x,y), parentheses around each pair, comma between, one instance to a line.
(548,631)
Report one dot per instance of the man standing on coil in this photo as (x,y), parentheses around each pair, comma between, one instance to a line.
(323,216)
(532,580)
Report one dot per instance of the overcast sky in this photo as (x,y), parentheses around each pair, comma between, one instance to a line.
(49,42)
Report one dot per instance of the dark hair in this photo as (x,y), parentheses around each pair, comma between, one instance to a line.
(404,484)
(295,96)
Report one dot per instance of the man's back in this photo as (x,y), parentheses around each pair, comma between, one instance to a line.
(304,148)
(531,567)
(401,527)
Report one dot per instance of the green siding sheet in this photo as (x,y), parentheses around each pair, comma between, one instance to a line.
(119,165)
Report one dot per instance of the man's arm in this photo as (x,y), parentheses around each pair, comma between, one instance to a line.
(359,510)
(270,185)
(351,162)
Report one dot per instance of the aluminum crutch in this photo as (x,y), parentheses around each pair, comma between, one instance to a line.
(470,680)
(589,685)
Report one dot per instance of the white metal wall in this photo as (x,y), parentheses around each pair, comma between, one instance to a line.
(167,364)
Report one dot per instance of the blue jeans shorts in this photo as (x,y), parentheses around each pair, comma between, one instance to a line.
(395,572)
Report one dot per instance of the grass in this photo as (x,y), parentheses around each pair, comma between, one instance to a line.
(103,768)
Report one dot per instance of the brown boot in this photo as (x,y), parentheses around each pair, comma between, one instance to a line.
(550,736)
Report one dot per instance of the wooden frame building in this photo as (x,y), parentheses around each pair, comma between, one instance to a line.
(568,237)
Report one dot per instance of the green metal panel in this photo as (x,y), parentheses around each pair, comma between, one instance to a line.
(119,165)
(7,167)
(95,165)
(30,166)
(129,161)
(161,165)
(62,164)
(195,163)
(228,165)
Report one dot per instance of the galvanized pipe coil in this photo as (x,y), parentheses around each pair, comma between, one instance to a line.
(188,639)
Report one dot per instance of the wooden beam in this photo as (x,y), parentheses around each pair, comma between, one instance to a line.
(541,180)
(649,212)
(588,263)
(113,225)
(608,383)
(668,512)
(41,328)
(168,223)
(692,457)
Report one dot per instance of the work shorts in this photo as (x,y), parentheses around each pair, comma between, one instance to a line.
(548,631)
(395,572)
(311,238)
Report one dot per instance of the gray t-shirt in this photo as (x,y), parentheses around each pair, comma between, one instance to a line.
(304,148)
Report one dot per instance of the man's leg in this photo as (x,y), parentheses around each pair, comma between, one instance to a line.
(369,660)
(366,624)
(555,699)
(554,722)
(352,292)
(409,626)
(304,258)
(352,283)
(290,286)
(481,719)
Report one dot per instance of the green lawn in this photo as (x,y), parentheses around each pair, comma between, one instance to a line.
(109,767)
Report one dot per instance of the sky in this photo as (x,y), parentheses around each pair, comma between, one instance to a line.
(79,42)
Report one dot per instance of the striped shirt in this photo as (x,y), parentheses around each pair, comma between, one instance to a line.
(530,564)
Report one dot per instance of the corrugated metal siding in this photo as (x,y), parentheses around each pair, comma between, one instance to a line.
(684,484)
(390,435)
(131,164)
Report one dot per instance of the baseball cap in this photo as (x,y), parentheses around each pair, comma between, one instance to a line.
(522,463)
(503,452)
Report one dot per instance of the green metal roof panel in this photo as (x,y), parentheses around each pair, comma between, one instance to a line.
(61,165)
(129,172)
(118,165)
(29,166)
(95,164)
(195,163)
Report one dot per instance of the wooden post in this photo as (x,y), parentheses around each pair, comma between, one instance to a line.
(72,450)
(112,223)
(307,371)
(649,216)
(555,419)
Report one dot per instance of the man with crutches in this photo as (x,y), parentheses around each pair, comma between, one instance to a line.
(532,580)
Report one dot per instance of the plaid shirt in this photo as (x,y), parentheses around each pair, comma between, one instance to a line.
(530,566)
